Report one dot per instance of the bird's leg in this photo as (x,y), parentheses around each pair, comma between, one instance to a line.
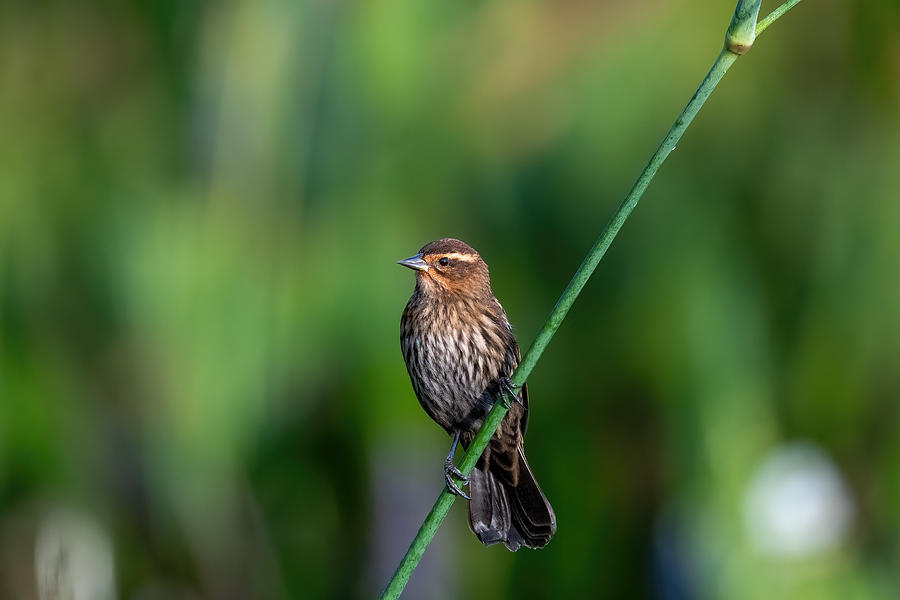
(507,389)
(450,471)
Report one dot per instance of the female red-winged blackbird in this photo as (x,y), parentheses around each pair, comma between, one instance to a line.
(460,350)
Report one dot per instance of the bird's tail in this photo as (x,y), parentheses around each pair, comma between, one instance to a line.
(508,505)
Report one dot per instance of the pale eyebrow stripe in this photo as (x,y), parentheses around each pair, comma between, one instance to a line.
(456,255)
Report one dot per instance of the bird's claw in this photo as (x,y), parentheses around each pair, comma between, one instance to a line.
(451,472)
(507,389)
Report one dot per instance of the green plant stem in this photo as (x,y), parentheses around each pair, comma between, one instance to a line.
(742,31)
(775,15)
(442,506)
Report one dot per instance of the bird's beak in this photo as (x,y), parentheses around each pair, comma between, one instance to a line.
(414,262)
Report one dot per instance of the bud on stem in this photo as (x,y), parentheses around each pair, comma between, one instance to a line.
(742,31)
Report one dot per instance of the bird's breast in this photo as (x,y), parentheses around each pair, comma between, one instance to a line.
(452,359)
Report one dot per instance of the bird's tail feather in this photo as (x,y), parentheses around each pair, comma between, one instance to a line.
(517,515)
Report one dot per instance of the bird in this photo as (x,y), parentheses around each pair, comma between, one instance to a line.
(460,352)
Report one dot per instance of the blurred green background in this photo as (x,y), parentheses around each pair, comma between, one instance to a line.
(201,389)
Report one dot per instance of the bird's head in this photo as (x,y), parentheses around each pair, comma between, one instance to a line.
(449,265)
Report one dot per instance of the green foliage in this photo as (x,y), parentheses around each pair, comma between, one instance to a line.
(200,207)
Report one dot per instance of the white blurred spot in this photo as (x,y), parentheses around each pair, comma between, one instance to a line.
(73,558)
(797,504)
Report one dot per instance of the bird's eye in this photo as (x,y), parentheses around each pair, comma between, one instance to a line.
(444,261)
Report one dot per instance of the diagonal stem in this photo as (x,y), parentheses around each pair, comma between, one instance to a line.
(442,506)
(775,15)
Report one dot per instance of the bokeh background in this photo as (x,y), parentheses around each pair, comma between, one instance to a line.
(201,389)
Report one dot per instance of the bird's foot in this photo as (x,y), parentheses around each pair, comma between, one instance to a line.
(507,389)
(451,474)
